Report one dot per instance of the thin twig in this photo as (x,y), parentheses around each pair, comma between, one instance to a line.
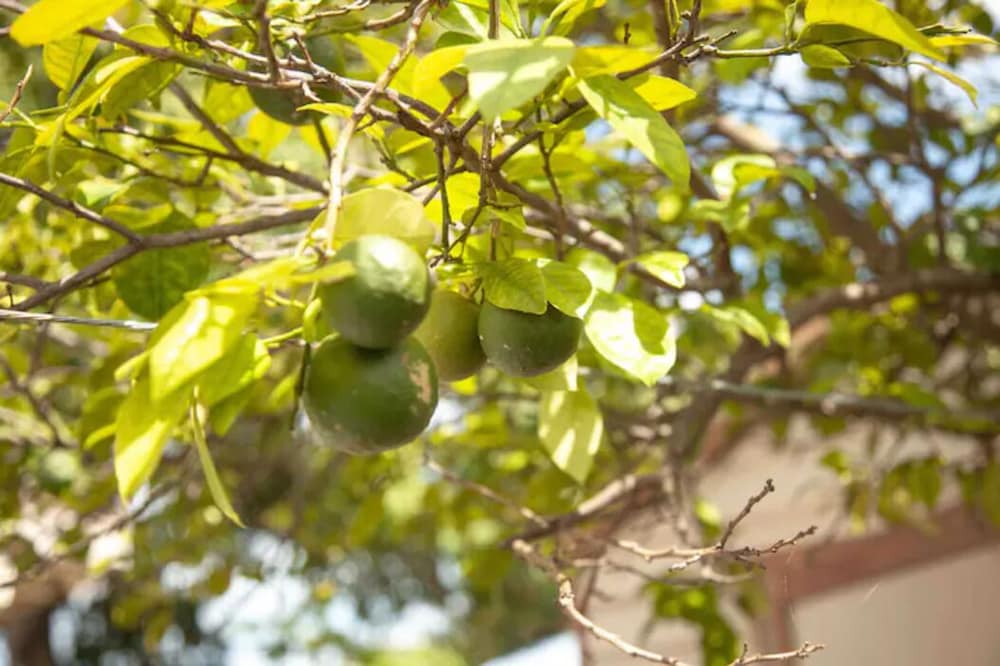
(76,209)
(38,317)
(360,110)
(16,97)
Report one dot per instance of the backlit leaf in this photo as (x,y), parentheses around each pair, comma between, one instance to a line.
(571,427)
(504,74)
(514,283)
(640,124)
(874,18)
(632,336)
(206,327)
(141,433)
(384,210)
(50,20)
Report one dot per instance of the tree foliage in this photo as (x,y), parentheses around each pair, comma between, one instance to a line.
(755,209)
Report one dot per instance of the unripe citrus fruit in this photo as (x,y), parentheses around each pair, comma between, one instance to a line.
(367,400)
(282,104)
(386,298)
(57,469)
(449,333)
(524,344)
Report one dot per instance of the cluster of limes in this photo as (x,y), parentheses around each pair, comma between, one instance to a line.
(374,385)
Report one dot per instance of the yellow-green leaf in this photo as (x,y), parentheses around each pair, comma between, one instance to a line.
(820,55)
(665,265)
(596,60)
(65,59)
(951,77)
(514,283)
(215,487)
(632,336)
(663,92)
(436,64)
(570,427)
(874,18)
(504,74)
(49,20)
(384,210)
(141,431)
(209,325)
(642,125)
(949,41)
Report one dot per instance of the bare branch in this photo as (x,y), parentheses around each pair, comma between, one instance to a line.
(173,239)
(76,209)
(40,318)
(16,97)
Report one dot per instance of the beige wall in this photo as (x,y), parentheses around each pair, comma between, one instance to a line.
(943,614)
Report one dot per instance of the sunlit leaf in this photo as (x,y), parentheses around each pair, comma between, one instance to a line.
(384,210)
(874,18)
(212,480)
(632,336)
(50,20)
(514,284)
(141,433)
(504,74)
(570,427)
(640,124)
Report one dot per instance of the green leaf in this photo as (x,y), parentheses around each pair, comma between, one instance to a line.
(733,215)
(65,59)
(50,20)
(436,64)
(665,265)
(240,367)
(335,271)
(141,431)
(662,92)
(567,288)
(463,195)
(384,210)
(215,487)
(874,18)
(827,57)
(224,414)
(632,336)
(741,318)
(596,60)
(570,427)
(953,78)
(948,41)
(600,270)
(563,378)
(514,283)
(731,173)
(504,74)
(565,14)
(640,124)
(207,325)
(154,281)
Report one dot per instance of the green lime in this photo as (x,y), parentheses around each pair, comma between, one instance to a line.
(449,332)
(58,469)
(369,400)
(524,344)
(387,297)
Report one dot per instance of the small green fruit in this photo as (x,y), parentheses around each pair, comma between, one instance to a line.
(450,335)
(387,297)
(368,401)
(524,344)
